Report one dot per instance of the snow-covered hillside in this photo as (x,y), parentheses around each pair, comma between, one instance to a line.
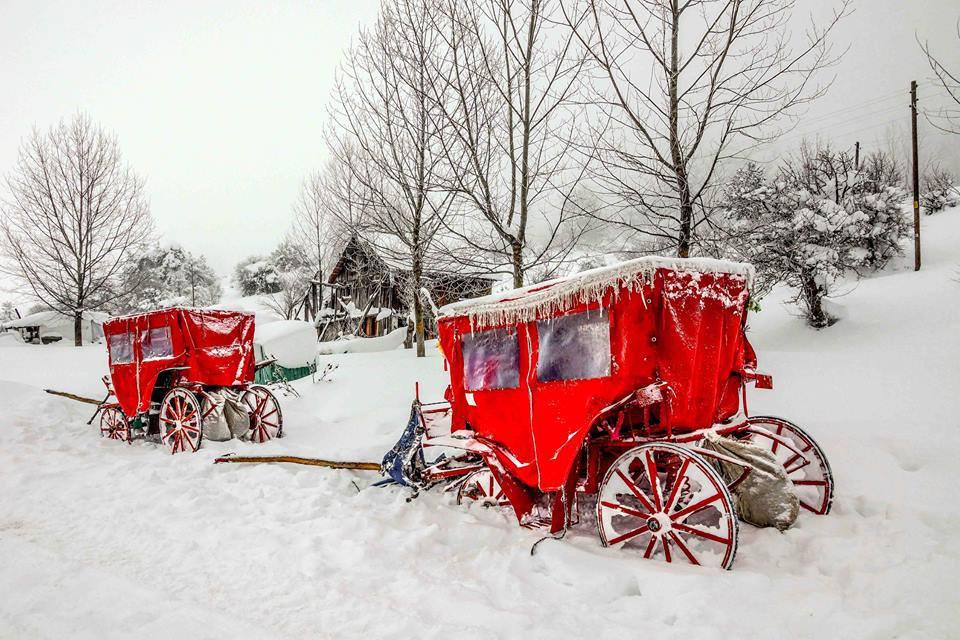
(103,540)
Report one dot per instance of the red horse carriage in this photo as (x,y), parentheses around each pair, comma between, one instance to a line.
(175,372)
(611,386)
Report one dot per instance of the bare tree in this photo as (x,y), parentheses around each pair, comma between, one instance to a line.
(324,215)
(75,214)
(948,118)
(722,73)
(508,81)
(386,137)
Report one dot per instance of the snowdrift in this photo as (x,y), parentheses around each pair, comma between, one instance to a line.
(364,345)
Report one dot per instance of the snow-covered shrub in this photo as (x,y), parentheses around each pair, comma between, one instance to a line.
(294,271)
(255,275)
(170,276)
(816,220)
(939,191)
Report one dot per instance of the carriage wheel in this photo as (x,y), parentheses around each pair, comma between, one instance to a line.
(670,504)
(180,421)
(266,420)
(801,457)
(481,486)
(114,425)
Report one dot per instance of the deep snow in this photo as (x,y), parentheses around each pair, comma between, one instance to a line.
(103,540)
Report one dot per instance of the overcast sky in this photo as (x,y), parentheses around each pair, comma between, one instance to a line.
(220,104)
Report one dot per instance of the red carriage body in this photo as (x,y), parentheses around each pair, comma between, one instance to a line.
(206,347)
(605,384)
(173,361)
(654,325)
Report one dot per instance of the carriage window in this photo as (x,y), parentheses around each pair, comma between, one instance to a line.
(491,360)
(156,343)
(574,347)
(121,348)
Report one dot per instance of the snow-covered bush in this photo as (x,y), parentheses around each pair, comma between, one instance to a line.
(255,275)
(294,270)
(939,191)
(170,276)
(816,220)
(282,278)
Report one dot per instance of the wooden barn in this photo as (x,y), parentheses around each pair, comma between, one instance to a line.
(366,293)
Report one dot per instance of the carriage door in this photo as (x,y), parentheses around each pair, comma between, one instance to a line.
(571,370)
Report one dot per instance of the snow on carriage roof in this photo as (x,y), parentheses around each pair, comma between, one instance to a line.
(538,300)
(153,312)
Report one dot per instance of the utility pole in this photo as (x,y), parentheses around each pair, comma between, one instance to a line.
(856,155)
(916,177)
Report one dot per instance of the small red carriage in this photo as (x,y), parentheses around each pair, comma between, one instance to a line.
(605,385)
(173,371)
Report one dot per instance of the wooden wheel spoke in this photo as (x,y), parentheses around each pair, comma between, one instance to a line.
(692,559)
(650,546)
(677,486)
(635,490)
(630,534)
(627,510)
(700,532)
(666,548)
(684,513)
(651,467)
(806,461)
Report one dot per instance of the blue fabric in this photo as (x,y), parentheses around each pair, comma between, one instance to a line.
(404,462)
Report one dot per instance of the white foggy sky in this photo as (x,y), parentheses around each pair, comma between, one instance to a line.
(220,104)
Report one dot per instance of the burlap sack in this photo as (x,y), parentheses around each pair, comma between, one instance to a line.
(767,497)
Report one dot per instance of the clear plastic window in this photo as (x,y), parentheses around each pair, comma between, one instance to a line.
(574,347)
(491,360)
(121,348)
(156,343)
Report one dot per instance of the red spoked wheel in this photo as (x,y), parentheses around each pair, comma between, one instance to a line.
(482,487)
(669,503)
(114,425)
(266,420)
(801,457)
(180,421)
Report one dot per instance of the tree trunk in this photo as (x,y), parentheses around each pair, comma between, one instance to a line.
(78,328)
(517,265)
(676,153)
(814,297)
(686,218)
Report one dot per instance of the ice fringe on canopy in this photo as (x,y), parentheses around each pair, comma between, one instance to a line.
(556,296)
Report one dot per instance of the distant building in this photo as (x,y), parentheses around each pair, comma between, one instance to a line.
(365,293)
(45,327)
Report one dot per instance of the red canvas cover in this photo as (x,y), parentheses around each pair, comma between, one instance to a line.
(209,347)
(679,326)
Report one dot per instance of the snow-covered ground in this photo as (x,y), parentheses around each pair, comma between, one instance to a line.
(103,540)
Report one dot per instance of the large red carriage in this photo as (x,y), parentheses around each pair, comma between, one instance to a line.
(174,370)
(606,385)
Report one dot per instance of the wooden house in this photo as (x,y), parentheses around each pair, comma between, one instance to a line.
(366,293)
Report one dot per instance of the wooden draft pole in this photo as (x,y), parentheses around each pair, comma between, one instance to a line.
(916,177)
(313,462)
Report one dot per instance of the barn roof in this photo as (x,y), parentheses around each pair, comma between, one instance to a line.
(555,296)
